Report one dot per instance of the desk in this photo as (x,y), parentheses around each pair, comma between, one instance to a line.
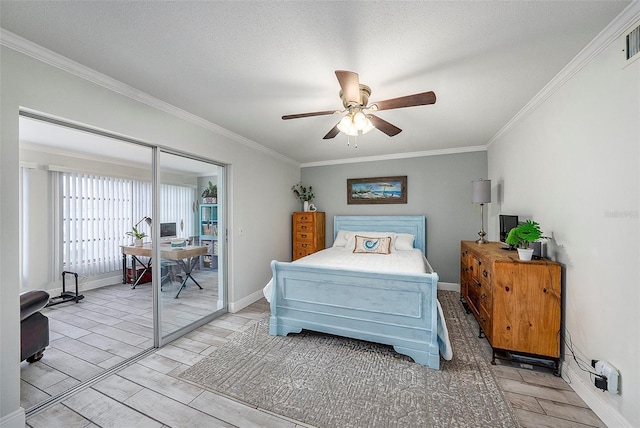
(186,257)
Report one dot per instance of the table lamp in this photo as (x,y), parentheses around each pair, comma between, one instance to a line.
(481,194)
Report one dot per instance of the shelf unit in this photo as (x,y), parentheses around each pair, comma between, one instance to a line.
(208,234)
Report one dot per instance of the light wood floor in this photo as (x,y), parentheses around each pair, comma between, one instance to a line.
(109,325)
(149,393)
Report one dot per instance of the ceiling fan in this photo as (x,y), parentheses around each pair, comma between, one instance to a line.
(359,118)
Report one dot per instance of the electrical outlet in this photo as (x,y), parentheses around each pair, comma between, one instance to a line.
(610,375)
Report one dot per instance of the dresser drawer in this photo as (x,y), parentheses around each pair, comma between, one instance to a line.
(486,323)
(305,227)
(302,252)
(305,236)
(304,217)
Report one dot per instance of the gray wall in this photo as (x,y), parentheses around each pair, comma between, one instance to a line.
(439,187)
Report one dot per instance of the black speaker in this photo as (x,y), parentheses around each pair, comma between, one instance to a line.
(537,249)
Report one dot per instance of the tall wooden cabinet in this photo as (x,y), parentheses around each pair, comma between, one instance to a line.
(308,233)
(516,303)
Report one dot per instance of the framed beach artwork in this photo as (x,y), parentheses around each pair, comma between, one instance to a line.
(378,190)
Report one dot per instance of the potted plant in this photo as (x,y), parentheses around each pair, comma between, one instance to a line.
(303,194)
(522,235)
(137,235)
(210,194)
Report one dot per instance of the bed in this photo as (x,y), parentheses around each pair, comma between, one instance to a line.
(378,305)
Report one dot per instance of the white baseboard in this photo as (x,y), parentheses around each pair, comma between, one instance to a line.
(70,284)
(449,286)
(593,398)
(15,419)
(243,303)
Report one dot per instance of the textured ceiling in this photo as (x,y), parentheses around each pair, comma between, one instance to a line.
(242,65)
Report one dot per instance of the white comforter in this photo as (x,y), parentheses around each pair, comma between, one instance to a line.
(398,261)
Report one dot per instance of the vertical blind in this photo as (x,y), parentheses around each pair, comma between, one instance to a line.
(97,212)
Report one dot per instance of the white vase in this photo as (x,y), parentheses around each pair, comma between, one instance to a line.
(138,243)
(305,206)
(525,253)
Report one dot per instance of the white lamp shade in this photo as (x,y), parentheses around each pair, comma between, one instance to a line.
(481,191)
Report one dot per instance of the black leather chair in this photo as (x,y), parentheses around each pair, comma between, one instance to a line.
(34,327)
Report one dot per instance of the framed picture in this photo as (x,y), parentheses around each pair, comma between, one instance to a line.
(378,190)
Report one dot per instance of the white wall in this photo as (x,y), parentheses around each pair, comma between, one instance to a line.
(262,207)
(572,164)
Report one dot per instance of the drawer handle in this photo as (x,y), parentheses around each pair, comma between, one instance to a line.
(303,227)
(304,245)
(485,273)
(303,235)
(484,296)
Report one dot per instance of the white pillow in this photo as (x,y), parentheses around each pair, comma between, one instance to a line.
(341,238)
(351,240)
(403,241)
(372,245)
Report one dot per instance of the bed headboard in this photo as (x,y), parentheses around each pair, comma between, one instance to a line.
(413,224)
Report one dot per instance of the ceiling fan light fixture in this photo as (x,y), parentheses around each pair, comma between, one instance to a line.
(360,121)
(346,126)
(368,127)
(354,124)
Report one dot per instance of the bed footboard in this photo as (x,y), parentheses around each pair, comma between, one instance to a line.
(394,309)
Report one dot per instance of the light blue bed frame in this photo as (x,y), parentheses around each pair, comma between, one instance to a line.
(393,309)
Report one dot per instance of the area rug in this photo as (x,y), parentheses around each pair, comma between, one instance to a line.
(330,381)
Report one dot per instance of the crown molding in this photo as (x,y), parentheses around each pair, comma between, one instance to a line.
(603,40)
(19,44)
(407,155)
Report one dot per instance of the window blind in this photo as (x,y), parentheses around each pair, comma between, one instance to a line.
(97,212)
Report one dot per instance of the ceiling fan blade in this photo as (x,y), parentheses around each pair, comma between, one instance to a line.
(334,131)
(315,113)
(350,84)
(384,126)
(420,99)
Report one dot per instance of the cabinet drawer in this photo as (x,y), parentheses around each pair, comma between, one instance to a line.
(304,246)
(473,292)
(305,236)
(486,297)
(302,252)
(303,217)
(305,227)
(485,322)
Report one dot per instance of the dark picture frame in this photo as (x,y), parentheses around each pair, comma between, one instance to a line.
(377,190)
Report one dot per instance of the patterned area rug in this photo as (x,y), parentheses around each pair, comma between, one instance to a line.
(330,381)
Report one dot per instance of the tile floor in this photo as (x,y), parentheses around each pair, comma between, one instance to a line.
(148,393)
(109,325)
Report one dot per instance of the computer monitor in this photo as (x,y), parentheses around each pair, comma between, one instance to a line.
(507,222)
(168,231)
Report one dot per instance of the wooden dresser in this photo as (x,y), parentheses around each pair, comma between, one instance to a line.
(308,233)
(516,303)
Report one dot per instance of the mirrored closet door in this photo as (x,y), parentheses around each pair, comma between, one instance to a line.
(101,209)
